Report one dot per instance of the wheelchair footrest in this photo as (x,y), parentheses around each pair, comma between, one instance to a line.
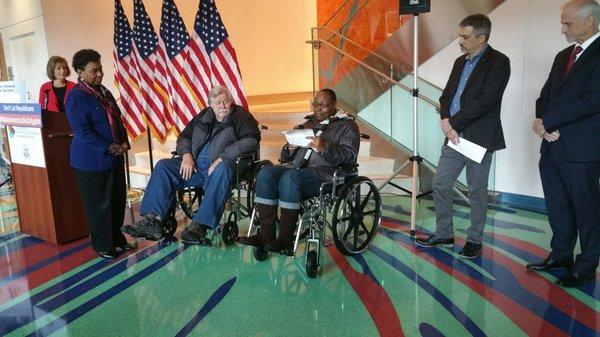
(288,252)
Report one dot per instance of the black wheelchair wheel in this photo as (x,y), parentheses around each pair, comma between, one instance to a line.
(169,226)
(260,253)
(252,180)
(356,216)
(312,264)
(189,200)
(230,232)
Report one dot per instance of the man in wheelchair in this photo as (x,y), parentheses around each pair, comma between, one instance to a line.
(299,177)
(207,150)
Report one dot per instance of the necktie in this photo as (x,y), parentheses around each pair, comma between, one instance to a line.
(572,58)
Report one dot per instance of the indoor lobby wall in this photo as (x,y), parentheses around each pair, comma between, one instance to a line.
(269,37)
(24,44)
(528,32)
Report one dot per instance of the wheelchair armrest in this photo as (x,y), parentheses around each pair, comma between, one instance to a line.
(337,180)
(251,156)
(347,166)
(342,168)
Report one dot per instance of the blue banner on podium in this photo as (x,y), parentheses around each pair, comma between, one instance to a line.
(21,114)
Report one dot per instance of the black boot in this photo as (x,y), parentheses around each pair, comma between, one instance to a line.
(267,215)
(285,241)
(150,227)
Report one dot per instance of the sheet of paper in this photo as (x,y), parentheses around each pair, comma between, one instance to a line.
(298,137)
(469,149)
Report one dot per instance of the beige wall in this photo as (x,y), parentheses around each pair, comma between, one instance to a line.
(269,38)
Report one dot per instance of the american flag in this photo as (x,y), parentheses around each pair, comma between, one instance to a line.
(188,86)
(153,81)
(223,62)
(126,75)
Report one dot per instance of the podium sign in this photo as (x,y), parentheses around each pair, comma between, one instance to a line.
(24,122)
(48,199)
(12,91)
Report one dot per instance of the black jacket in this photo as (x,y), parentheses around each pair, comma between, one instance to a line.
(479,116)
(342,140)
(238,134)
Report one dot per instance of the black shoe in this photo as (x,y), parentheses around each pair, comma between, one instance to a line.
(432,241)
(281,246)
(253,240)
(471,250)
(111,254)
(195,234)
(148,228)
(575,280)
(549,264)
(125,247)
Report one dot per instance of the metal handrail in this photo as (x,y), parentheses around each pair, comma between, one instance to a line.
(353,15)
(372,53)
(317,42)
(354,43)
(336,12)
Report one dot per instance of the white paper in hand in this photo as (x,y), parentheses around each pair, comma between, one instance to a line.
(469,149)
(299,137)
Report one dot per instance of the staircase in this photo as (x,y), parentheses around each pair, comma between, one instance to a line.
(277,117)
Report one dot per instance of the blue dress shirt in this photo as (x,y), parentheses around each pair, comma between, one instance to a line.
(470,64)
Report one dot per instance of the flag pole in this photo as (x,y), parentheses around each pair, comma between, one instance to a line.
(150,149)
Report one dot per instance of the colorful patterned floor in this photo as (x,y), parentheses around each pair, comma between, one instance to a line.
(394,289)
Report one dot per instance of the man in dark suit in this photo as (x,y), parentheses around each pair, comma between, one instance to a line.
(470,109)
(568,120)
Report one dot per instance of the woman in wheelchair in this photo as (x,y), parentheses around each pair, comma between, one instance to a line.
(208,148)
(299,177)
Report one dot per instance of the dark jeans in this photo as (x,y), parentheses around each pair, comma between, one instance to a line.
(103,194)
(285,186)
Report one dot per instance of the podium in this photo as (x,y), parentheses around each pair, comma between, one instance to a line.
(48,199)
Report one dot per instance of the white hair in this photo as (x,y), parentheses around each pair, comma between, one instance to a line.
(588,8)
(218,90)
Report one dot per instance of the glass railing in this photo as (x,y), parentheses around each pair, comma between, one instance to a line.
(380,92)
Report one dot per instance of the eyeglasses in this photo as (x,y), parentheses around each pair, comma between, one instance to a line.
(319,105)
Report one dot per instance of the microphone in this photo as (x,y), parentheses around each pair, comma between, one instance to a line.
(310,151)
(46,99)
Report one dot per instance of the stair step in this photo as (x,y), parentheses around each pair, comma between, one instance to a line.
(281,119)
(288,107)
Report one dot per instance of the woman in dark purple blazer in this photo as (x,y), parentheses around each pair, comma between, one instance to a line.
(97,154)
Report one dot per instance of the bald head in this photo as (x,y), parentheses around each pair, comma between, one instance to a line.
(579,19)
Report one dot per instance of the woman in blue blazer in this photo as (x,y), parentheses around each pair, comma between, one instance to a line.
(97,154)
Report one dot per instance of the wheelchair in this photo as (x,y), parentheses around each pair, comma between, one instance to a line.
(354,204)
(188,200)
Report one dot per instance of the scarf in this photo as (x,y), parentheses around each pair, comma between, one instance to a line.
(108,103)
